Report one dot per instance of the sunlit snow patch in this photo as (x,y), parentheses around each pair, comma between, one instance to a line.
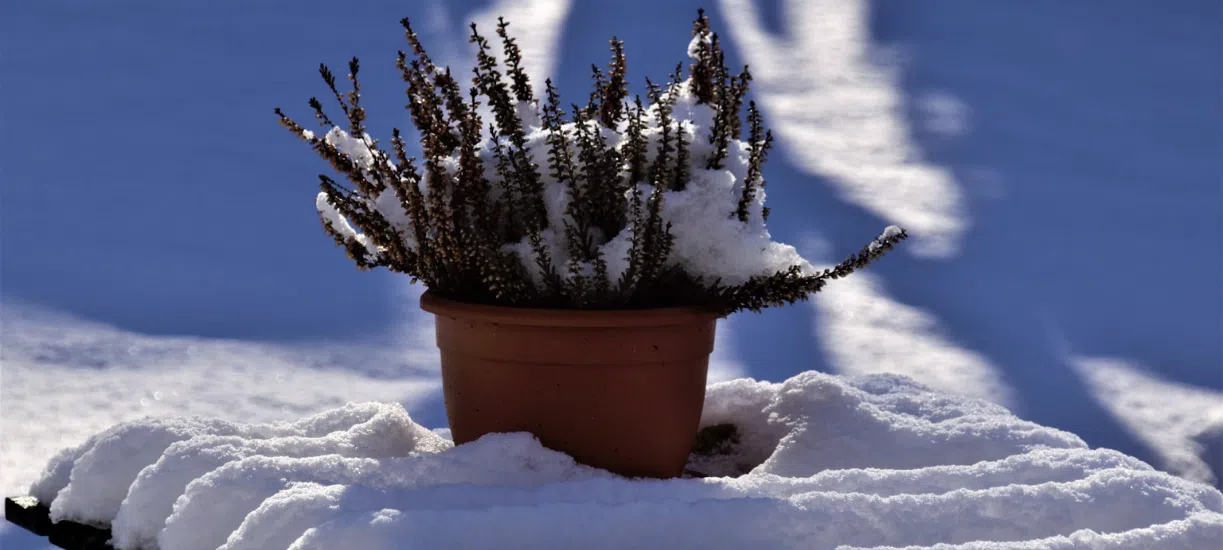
(865,331)
(839,113)
(1182,424)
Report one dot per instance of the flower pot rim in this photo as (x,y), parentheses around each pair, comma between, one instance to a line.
(509,315)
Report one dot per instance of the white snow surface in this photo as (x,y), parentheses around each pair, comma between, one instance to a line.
(875,461)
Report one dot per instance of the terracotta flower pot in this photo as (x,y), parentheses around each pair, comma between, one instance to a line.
(620,390)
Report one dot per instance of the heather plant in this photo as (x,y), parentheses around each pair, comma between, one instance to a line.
(608,204)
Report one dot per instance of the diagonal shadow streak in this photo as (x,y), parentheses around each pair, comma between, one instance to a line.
(986,296)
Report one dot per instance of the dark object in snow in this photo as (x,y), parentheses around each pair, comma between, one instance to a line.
(718,439)
(29,514)
(35,517)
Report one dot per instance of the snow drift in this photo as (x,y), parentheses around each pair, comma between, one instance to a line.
(819,461)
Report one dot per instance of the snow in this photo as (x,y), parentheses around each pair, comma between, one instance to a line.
(340,224)
(859,92)
(866,331)
(355,148)
(855,462)
(1183,424)
(63,379)
(371,430)
(709,242)
(694,47)
(837,110)
(890,232)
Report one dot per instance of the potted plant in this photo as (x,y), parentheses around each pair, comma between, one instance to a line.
(576,257)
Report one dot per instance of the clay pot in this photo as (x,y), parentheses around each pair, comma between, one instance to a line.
(620,390)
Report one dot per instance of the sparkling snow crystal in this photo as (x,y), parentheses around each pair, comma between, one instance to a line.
(821,462)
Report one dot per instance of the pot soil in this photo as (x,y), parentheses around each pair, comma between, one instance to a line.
(620,390)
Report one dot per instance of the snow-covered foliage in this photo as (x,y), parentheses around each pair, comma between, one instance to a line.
(613,204)
(709,241)
(819,461)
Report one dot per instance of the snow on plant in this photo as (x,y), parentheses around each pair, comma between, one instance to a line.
(611,204)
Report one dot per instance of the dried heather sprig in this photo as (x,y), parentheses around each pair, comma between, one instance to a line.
(703,70)
(463,233)
(513,58)
(661,169)
(600,169)
(759,144)
(611,100)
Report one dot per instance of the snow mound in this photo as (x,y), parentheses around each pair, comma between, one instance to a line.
(818,461)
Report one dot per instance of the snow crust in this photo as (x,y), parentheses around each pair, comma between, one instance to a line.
(822,461)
